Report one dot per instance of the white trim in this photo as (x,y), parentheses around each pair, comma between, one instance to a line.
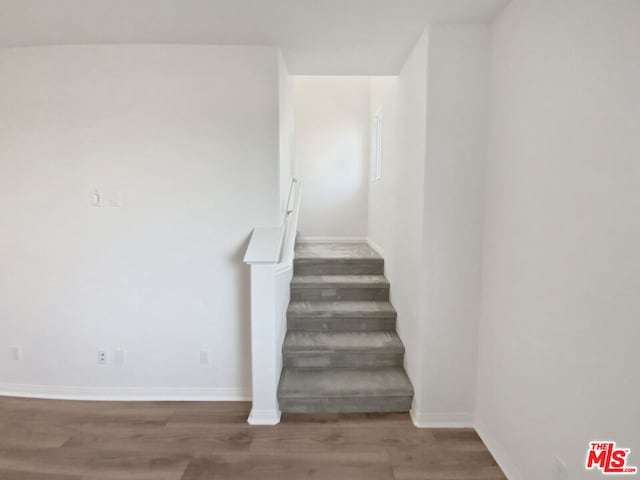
(332,239)
(499,454)
(264,417)
(129,394)
(441,420)
(377,248)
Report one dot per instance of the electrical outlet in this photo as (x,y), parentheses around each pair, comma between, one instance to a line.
(120,356)
(561,470)
(103,357)
(16,352)
(205,356)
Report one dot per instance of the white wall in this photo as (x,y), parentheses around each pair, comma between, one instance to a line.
(397,198)
(457,88)
(426,213)
(332,154)
(558,363)
(189,136)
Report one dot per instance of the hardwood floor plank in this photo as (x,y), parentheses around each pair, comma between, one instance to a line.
(16,433)
(21,475)
(338,437)
(71,407)
(120,464)
(171,439)
(285,465)
(440,463)
(224,413)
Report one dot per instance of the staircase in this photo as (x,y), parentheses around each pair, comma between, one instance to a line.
(341,352)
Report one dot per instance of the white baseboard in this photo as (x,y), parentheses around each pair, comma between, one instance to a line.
(377,248)
(129,394)
(441,420)
(499,454)
(264,417)
(301,239)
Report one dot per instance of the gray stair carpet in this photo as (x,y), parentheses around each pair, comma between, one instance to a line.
(341,352)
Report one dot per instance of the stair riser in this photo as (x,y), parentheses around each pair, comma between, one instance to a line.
(341,360)
(309,324)
(346,405)
(332,294)
(339,268)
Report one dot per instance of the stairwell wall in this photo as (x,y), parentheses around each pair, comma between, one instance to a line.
(396,201)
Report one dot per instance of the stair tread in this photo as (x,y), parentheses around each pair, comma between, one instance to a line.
(344,382)
(387,342)
(341,309)
(335,251)
(345,281)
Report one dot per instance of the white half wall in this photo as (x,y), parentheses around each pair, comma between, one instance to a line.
(332,154)
(558,353)
(187,137)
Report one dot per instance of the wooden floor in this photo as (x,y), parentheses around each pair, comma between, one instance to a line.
(62,440)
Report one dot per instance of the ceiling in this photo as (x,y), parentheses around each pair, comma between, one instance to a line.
(356,37)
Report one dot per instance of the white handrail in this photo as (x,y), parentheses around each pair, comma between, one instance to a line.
(290,223)
(291,198)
